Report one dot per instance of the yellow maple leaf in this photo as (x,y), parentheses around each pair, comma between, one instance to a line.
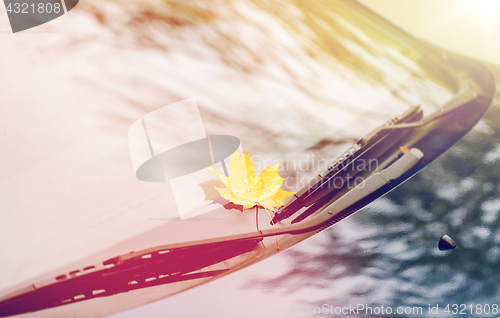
(246,189)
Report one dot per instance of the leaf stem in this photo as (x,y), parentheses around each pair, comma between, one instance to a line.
(257,217)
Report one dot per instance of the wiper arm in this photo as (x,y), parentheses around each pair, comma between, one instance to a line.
(371,147)
(462,98)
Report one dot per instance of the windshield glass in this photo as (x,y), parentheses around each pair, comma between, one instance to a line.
(295,82)
(299,73)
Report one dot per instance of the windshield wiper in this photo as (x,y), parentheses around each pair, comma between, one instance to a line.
(371,147)
(324,184)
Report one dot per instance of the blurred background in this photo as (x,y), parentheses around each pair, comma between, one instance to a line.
(468,27)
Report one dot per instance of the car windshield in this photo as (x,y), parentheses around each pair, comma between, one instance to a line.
(296,82)
(293,82)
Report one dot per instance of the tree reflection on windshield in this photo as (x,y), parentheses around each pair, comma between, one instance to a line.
(310,66)
(249,35)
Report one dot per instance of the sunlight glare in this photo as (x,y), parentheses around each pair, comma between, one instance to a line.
(489,8)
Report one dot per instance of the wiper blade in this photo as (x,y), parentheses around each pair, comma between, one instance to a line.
(371,147)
